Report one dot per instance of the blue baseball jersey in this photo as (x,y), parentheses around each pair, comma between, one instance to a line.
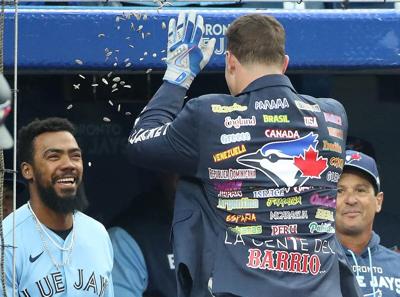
(256,215)
(377,269)
(87,273)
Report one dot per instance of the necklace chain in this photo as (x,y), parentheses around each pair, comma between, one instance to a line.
(42,231)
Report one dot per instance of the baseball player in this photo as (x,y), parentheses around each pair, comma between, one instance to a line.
(256,217)
(59,251)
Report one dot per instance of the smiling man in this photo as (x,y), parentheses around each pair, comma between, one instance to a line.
(359,199)
(59,251)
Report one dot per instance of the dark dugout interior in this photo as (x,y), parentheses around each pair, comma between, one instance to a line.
(104,118)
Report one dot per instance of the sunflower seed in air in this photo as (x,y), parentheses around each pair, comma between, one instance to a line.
(79,62)
(105,119)
(81,76)
(110,102)
(69,106)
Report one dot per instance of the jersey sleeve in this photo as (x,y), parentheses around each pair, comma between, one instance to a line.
(129,272)
(165,135)
(8,272)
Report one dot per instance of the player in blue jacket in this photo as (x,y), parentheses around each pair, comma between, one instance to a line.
(59,251)
(359,199)
(254,212)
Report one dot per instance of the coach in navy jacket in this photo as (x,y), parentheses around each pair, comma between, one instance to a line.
(359,199)
(255,215)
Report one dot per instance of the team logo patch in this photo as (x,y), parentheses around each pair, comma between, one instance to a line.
(288,163)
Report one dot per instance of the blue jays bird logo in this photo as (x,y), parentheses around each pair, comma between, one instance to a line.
(288,163)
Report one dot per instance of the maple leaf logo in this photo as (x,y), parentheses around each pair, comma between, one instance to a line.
(311,165)
(355,156)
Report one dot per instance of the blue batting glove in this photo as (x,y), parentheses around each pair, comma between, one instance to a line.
(187,52)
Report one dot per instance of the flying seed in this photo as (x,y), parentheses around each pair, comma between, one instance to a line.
(163,25)
(116,79)
(105,119)
(115,64)
(119,107)
(89,164)
(69,106)
(101,35)
(76,87)
(109,74)
(128,64)
(114,86)
(149,70)
(114,90)
(139,28)
(128,113)
(95,85)
(127,86)
(126,60)
(122,83)
(142,35)
(131,46)
(104,81)
(81,76)
(79,62)
(154,55)
(145,54)
(141,59)
(110,102)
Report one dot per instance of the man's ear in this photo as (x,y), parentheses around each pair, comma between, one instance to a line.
(285,64)
(379,201)
(231,62)
(27,170)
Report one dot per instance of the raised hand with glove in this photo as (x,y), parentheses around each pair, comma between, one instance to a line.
(187,52)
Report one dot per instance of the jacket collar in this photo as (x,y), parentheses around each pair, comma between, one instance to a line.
(266,81)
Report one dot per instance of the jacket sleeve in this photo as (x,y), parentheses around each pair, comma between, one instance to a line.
(129,272)
(165,135)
